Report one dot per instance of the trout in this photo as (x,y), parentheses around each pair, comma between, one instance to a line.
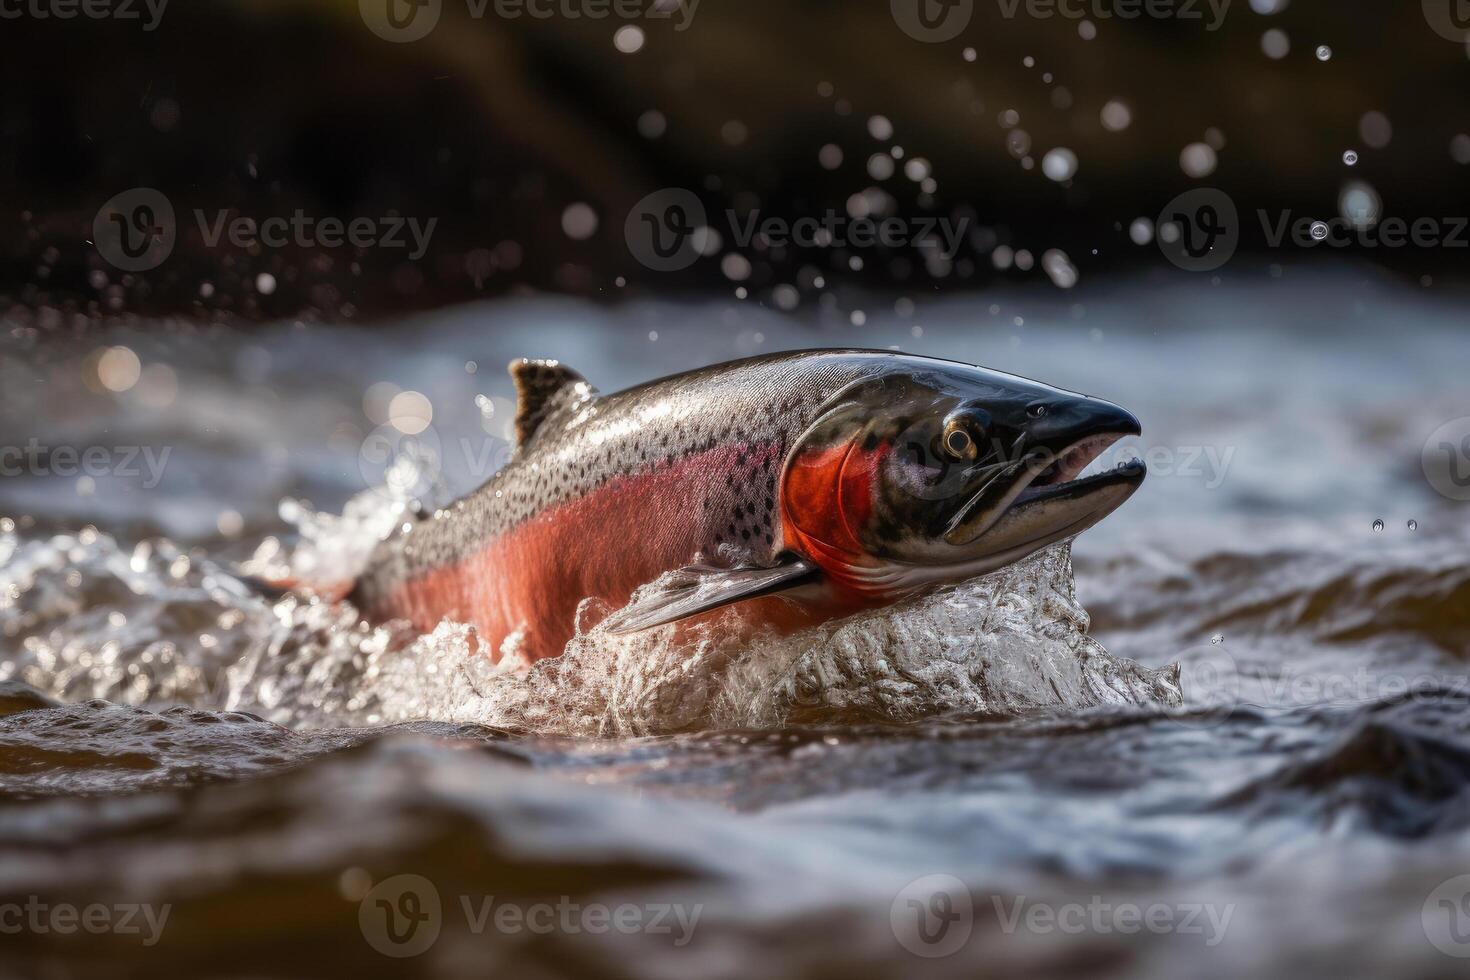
(802,486)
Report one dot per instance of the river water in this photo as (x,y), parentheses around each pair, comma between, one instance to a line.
(1227,732)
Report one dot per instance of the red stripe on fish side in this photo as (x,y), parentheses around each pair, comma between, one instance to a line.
(604,545)
(826,501)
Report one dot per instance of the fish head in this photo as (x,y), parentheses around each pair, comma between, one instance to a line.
(931,471)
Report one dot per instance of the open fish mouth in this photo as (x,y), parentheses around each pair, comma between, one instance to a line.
(1060,478)
(1046,481)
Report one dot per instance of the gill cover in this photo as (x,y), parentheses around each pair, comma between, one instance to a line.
(829,485)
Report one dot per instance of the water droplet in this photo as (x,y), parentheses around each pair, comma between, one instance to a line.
(1378,525)
(1413,525)
(1350,157)
(1198,160)
(1319,230)
(1217,639)
(1324,53)
(1059,164)
(1275,44)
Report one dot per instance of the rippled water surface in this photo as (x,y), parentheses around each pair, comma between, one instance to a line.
(1234,702)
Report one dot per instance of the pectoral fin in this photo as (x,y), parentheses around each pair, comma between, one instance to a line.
(697,589)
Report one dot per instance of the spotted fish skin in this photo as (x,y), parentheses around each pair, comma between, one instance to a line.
(838,478)
(609,492)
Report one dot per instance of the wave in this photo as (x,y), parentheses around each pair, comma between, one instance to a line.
(1420,596)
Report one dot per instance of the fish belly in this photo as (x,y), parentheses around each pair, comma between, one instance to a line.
(525,585)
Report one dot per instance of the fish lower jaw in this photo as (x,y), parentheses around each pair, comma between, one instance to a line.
(1127,470)
(1045,477)
(896,580)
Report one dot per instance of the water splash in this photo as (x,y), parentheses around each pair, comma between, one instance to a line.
(140,626)
(331,548)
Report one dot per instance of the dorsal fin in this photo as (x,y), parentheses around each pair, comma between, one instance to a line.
(538,383)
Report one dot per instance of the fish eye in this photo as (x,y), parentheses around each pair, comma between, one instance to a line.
(958,442)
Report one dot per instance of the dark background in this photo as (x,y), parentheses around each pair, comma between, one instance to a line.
(495,126)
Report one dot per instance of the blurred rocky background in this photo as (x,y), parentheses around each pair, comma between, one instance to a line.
(528,140)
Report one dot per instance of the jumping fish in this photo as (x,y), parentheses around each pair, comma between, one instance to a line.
(836,480)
